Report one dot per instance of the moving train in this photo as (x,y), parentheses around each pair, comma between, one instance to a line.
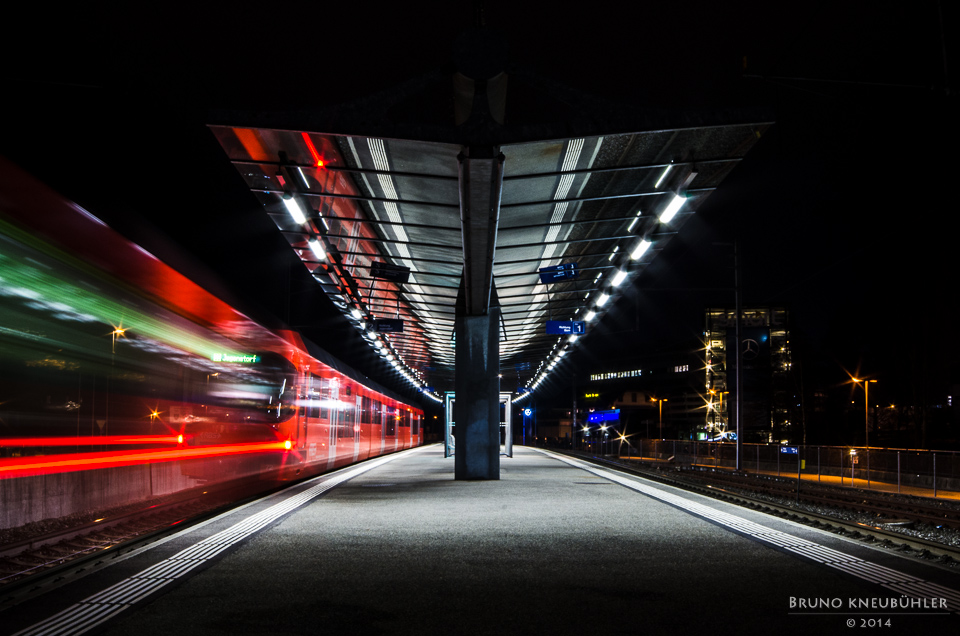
(109,357)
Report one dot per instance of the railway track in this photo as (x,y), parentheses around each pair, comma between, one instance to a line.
(887,515)
(33,564)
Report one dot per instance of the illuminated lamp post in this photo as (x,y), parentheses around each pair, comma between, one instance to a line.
(866,408)
(660,402)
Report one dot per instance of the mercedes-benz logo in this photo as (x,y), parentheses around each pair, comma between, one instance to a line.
(751,349)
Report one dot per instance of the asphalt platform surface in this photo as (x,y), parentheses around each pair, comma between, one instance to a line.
(550,548)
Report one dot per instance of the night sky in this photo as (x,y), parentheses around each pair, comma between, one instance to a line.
(843,209)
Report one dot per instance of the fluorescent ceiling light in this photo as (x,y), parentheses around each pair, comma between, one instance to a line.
(634,221)
(663,175)
(294,209)
(603,300)
(672,208)
(640,249)
(590,315)
(356,313)
(618,279)
(317,249)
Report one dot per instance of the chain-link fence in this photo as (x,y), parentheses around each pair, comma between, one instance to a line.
(908,471)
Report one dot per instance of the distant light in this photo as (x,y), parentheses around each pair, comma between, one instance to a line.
(317,249)
(288,445)
(618,279)
(356,313)
(294,209)
(672,208)
(603,300)
(616,248)
(663,175)
(634,221)
(640,249)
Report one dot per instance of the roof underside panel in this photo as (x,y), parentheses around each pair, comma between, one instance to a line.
(589,201)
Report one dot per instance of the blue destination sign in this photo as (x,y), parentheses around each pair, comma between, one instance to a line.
(426,389)
(566,327)
(604,416)
(556,273)
(790,450)
(388,325)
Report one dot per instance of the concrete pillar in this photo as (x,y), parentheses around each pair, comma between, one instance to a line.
(477,407)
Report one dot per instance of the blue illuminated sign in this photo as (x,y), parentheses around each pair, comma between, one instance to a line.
(557,273)
(604,416)
(566,327)
(790,450)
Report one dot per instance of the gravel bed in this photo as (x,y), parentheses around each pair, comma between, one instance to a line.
(936,534)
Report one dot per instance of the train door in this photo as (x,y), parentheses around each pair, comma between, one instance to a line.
(332,397)
(358,419)
(383,427)
(303,396)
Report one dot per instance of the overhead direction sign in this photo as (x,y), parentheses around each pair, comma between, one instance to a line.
(566,327)
(388,325)
(386,271)
(790,450)
(557,273)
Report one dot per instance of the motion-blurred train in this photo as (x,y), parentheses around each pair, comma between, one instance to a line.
(109,357)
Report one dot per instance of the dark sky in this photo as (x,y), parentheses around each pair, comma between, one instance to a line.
(843,208)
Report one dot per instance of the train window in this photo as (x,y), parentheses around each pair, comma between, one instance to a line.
(391,413)
(347,420)
(416,424)
(324,398)
(366,410)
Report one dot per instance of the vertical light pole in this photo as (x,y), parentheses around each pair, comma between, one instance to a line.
(866,408)
(660,402)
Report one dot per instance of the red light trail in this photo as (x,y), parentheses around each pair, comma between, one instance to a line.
(47,464)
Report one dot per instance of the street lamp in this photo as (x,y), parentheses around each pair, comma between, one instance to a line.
(660,402)
(866,408)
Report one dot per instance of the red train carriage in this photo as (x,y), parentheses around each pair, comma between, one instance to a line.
(109,357)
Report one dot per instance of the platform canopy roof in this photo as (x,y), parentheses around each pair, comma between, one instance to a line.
(383,224)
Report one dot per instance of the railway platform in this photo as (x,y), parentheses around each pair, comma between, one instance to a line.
(396,545)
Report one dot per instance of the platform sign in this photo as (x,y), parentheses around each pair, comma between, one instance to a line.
(388,325)
(557,273)
(566,327)
(386,271)
(604,416)
(426,389)
(790,450)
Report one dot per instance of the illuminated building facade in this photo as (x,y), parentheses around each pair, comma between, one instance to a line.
(770,409)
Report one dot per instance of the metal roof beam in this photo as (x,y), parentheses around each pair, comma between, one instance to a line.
(481,185)
(647,166)
(605,197)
